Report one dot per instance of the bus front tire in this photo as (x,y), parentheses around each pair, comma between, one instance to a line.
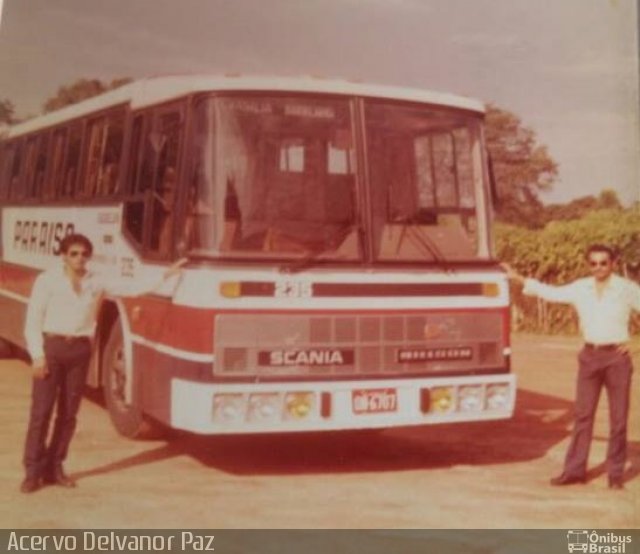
(128,419)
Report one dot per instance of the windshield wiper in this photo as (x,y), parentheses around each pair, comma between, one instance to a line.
(314,255)
(410,224)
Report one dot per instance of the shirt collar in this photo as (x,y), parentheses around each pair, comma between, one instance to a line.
(613,283)
(88,275)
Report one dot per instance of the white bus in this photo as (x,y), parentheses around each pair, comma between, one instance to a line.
(340,269)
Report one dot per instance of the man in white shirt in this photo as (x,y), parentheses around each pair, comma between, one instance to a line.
(60,322)
(604,303)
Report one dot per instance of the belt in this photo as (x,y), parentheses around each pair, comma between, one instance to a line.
(66,338)
(591,346)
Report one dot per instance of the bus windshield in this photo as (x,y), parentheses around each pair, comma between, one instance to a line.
(274,177)
(426,173)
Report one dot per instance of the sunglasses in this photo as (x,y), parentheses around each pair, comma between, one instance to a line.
(76,253)
(599,264)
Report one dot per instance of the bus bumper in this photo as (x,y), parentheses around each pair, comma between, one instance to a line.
(339,405)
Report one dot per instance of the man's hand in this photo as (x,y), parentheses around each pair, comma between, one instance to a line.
(176,268)
(512,274)
(624,348)
(39,368)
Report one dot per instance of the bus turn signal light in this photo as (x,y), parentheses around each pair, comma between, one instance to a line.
(490,289)
(230,289)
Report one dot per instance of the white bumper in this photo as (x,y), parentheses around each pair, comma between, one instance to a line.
(192,404)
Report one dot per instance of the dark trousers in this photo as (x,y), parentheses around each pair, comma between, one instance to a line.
(67,363)
(598,368)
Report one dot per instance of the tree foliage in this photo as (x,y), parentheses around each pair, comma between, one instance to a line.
(81,90)
(555,255)
(7,112)
(580,207)
(522,168)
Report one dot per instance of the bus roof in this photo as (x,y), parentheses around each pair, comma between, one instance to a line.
(154,90)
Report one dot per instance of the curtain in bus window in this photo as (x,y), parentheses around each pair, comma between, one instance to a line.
(3,186)
(110,166)
(197,233)
(166,144)
(16,169)
(272,175)
(56,174)
(96,141)
(104,138)
(236,176)
(8,152)
(41,167)
(29,174)
(72,161)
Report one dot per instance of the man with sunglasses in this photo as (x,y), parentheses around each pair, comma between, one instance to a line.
(60,322)
(604,303)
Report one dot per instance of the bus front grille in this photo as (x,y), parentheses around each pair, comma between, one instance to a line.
(352,345)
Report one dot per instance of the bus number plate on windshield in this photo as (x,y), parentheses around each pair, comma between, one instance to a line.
(374,401)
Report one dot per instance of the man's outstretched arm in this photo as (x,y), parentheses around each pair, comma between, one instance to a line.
(565,294)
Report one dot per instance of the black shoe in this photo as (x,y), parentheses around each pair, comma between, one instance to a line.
(60,478)
(616,483)
(564,479)
(30,484)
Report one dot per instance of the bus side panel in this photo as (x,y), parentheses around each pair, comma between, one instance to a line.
(159,320)
(13,313)
(154,372)
(15,287)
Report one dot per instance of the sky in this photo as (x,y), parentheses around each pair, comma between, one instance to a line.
(567,68)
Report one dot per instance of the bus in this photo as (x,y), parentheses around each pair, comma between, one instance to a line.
(340,272)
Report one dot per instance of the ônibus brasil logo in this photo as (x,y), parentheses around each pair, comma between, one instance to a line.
(594,542)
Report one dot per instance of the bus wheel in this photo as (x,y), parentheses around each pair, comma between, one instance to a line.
(127,418)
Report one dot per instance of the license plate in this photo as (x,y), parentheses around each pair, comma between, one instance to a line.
(374,401)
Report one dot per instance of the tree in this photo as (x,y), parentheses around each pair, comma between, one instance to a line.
(81,90)
(581,207)
(7,112)
(522,168)
(555,255)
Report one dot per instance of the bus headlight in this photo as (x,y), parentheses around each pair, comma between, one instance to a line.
(298,405)
(228,407)
(470,398)
(442,399)
(497,396)
(264,407)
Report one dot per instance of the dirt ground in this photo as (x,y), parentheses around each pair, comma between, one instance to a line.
(481,475)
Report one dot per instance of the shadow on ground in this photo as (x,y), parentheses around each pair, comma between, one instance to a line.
(540,422)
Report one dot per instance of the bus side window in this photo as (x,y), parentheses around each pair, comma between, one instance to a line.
(156,140)
(103,152)
(40,171)
(71,162)
(95,139)
(29,171)
(134,154)
(55,178)
(15,170)
(109,171)
(134,208)
(4,188)
(166,143)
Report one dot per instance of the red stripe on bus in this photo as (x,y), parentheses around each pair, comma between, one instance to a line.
(17,279)
(159,320)
(187,328)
